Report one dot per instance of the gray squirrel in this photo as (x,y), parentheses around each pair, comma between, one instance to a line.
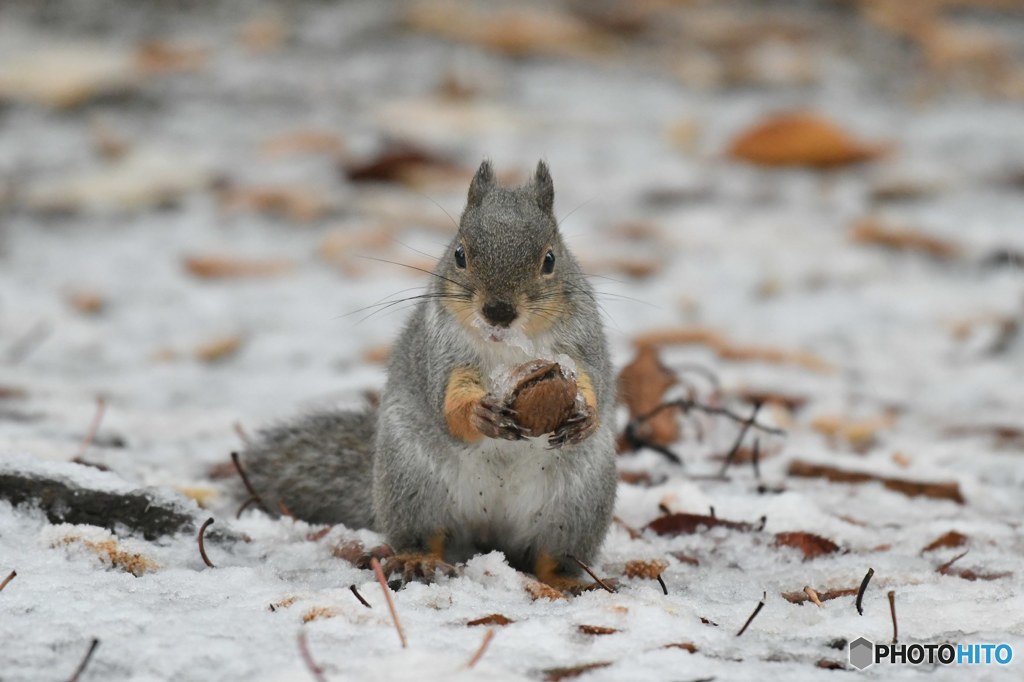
(441,468)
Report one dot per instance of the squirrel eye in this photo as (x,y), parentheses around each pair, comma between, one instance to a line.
(460,257)
(549,263)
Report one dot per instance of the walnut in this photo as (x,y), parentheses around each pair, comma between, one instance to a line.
(543,396)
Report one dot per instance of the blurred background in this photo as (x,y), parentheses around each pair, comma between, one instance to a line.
(826,196)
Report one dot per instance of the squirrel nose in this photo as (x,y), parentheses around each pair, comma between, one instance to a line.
(499,313)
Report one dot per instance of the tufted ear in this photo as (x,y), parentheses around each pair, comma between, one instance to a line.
(543,187)
(482,183)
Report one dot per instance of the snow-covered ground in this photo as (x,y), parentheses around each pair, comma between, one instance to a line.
(924,354)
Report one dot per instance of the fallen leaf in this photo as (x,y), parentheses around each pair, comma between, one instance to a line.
(493,619)
(878,233)
(687,524)
(649,569)
(556,674)
(306,141)
(109,551)
(946,540)
(727,350)
(859,434)
(86,302)
(829,664)
(343,248)
(298,204)
(685,558)
(159,56)
(811,545)
(378,354)
(642,385)
(263,34)
(318,613)
(538,590)
(935,490)
(596,630)
(790,401)
(800,139)
(66,76)
(203,496)
(827,595)
(283,603)
(218,349)
(402,163)
(218,267)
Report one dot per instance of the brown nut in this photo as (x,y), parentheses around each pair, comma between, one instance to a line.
(543,396)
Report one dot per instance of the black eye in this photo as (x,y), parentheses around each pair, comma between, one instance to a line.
(460,257)
(549,263)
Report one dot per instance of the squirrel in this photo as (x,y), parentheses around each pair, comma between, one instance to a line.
(441,467)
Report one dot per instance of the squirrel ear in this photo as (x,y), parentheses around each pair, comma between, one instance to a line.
(482,183)
(543,187)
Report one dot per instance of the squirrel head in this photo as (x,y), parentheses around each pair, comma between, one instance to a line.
(507,267)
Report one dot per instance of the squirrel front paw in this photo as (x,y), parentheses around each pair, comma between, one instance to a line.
(576,428)
(493,418)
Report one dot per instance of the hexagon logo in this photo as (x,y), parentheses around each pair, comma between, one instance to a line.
(862,653)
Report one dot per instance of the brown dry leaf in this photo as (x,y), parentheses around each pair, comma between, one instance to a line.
(688,524)
(789,401)
(378,354)
(220,267)
(946,540)
(218,349)
(317,613)
(936,490)
(685,646)
(343,247)
(800,139)
(517,31)
(538,590)
(110,144)
(351,551)
(685,558)
(305,141)
(298,204)
(67,76)
(283,603)
(801,596)
(202,496)
(1005,435)
(642,386)
(641,478)
(493,619)
(318,535)
(403,163)
(86,302)
(878,233)
(596,630)
(110,553)
(159,56)
(859,434)
(649,569)
(810,544)
(557,674)
(968,573)
(263,34)
(727,350)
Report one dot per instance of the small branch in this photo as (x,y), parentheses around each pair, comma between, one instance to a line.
(739,439)
(813,596)
(85,661)
(638,442)
(315,670)
(202,546)
(253,495)
(863,587)
(242,435)
(685,405)
(944,568)
(11,576)
(755,459)
(377,571)
(757,610)
(664,587)
(359,597)
(892,610)
(488,636)
(101,408)
(592,574)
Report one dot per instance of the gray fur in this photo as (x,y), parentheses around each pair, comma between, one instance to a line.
(320,466)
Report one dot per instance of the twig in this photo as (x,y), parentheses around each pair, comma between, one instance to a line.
(892,610)
(359,597)
(592,574)
(315,670)
(638,442)
(739,439)
(944,568)
(253,495)
(488,636)
(202,547)
(813,596)
(685,405)
(85,661)
(863,587)
(11,576)
(101,408)
(661,581)
(377,571)
(757,610)
(242,435)
(755,459)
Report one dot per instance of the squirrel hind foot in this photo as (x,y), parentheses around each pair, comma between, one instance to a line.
(418,567)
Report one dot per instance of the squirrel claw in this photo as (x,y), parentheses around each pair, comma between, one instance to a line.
(423,568)
(494,419)
(575,429)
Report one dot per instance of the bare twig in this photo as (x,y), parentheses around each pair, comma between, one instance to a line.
(488,636)
(315,670)
(739,439)
(863,588)
(85,661)
(813,596)
(242,435)
(757,610)
(11,576)
(593,575)
(244,506)
(892,610)
(379,572)
(202,546)
(359,597)
(101,408)
(253,495)
(664,587)
(755,459)
(944,568)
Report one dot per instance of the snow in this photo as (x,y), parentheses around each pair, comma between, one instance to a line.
(761,256)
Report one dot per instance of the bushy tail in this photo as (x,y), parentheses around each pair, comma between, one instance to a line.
(319,466)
